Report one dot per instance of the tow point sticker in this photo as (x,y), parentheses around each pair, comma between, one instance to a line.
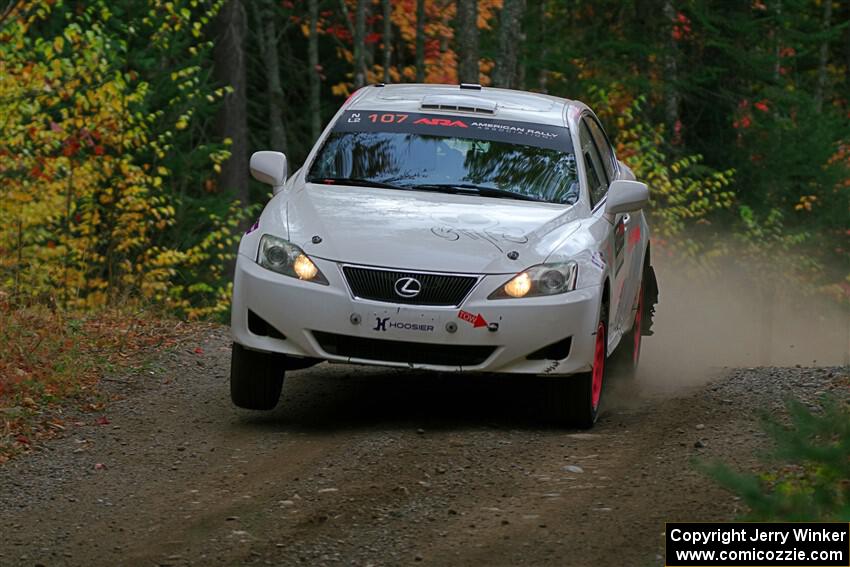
(474,319)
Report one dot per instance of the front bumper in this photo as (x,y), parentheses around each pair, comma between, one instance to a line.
(306,312)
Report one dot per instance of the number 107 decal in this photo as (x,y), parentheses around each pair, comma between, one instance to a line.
(388,118)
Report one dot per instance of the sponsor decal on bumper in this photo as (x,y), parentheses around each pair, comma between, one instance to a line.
(474,319)
(384,324)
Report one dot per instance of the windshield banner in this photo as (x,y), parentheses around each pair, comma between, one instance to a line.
(472,127)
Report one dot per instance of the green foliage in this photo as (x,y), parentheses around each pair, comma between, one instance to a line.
(684,192)
(768,245)
(813,481)
(109,155)
(758,88)
(101,106)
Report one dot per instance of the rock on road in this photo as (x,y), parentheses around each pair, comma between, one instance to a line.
(364,466)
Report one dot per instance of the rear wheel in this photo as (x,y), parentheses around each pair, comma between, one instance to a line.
(628,352)
(627,356)
(256,378)
(576,399)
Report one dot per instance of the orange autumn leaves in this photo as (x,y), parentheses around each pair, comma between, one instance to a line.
(440,56)
(51,358)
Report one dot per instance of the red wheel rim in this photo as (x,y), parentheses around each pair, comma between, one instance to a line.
(637,328)
(598,364)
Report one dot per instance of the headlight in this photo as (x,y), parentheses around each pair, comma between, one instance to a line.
(283,257)
(545,279)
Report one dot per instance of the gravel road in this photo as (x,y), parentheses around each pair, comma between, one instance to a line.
(359,466)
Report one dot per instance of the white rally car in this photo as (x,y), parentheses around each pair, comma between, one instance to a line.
(448,228)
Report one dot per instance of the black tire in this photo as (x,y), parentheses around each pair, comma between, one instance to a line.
(256,378)
(571,397)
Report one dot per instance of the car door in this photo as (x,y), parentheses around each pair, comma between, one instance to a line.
(600,170)
(627,229)
(602,228)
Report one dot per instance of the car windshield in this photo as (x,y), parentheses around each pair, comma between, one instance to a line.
(436,154)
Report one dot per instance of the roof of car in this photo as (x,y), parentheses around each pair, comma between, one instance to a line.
(486,102)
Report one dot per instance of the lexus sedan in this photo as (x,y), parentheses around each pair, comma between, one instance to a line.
(448,228)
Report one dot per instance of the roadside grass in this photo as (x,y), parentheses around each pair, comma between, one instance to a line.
(52,361)
(806,475)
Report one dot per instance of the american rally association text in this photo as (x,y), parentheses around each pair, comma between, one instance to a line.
(756,534)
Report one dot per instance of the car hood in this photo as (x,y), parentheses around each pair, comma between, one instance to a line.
(428,231)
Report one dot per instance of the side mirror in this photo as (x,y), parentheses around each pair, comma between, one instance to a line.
(626,196)
(269,167)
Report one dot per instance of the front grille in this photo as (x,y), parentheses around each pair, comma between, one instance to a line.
(381,350)
(436,289)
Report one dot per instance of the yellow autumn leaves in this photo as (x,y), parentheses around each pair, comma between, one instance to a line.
(83,209)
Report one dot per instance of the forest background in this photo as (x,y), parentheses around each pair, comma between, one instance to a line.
(126,129)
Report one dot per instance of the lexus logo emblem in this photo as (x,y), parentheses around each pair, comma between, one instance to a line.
(408,287)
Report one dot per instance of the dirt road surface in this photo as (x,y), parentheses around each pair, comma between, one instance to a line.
(359,466)
(363,466)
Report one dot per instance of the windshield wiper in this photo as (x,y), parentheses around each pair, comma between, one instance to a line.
(461,188)
(353,181)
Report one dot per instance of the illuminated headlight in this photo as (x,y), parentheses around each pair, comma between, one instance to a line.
(545,279)
(283,257)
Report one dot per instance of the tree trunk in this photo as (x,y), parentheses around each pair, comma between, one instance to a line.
(777,43)
(420,41)
(643,20)
(511,39)
(6,11)
(268,39)
(387,39)
(315,76)
(360,44)
(824,56)
(847,51)
(543,73)
(467,34)
(671,74)
(232,120)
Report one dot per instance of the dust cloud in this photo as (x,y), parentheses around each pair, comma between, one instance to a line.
(705,324)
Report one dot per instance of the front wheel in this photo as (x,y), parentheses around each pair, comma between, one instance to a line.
(576,398)
(256,378)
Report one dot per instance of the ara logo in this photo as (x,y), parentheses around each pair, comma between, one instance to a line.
(381,323)
(441,122)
